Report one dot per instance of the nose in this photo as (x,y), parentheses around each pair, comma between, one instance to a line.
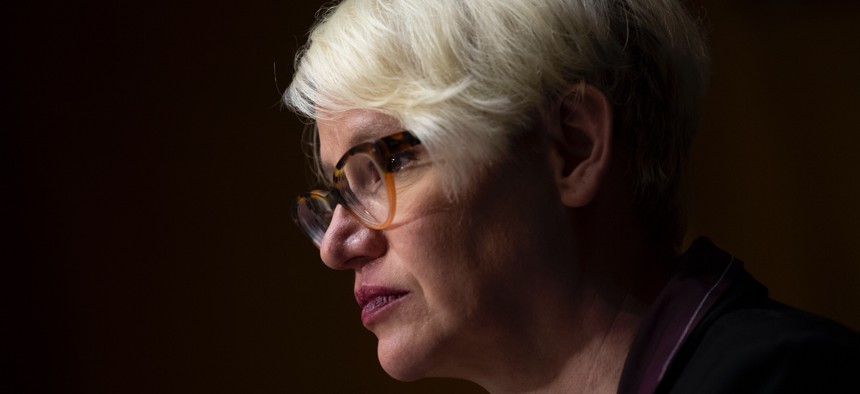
(348,244)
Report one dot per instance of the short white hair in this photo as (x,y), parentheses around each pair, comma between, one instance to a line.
(466,76)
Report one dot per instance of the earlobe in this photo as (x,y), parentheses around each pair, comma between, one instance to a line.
(581,121)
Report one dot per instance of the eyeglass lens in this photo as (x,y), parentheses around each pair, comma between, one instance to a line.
(365,189)
(362,185)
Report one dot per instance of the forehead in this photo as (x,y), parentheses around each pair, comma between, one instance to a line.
(341,131)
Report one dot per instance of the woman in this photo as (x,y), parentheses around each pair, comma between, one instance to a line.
(504,178)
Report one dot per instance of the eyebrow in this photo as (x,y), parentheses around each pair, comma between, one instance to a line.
(360,136)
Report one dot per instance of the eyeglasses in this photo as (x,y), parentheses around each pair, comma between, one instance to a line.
(363,183)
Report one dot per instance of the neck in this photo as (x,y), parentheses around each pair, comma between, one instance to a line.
(579,340)
(578,336)
(581,352)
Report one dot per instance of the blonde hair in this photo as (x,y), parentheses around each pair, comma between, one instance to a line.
(465,76)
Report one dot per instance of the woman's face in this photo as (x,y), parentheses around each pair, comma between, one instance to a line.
(447,280)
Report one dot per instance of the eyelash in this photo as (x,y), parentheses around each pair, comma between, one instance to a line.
(409,155)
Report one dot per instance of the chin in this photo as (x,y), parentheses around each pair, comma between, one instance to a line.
(402,362)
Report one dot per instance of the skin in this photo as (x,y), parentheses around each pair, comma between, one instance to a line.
(537,291)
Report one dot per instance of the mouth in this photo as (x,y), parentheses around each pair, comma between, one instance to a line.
(373,300)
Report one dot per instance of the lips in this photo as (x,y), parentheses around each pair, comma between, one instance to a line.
(373,300)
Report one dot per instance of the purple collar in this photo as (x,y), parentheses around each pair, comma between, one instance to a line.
(704,273)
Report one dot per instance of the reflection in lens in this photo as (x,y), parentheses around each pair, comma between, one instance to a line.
(363,186)
(315,216)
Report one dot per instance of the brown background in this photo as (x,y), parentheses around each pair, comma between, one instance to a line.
(151,247)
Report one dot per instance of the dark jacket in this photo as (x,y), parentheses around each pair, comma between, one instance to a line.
(744,342)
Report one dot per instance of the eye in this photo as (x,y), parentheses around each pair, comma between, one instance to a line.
(401,160)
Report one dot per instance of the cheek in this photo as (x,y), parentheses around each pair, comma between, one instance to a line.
(437,249)
(481,247)
(461,253)
(432,244)
(428,226)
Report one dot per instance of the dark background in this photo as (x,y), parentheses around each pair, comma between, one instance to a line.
(151,248)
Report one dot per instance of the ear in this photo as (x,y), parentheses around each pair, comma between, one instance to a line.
(580,122)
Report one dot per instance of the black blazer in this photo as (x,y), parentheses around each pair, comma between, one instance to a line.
(748,343)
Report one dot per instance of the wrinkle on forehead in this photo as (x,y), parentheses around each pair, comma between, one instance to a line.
(340,131)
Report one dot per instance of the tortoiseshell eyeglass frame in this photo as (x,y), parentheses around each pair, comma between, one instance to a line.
(382,151)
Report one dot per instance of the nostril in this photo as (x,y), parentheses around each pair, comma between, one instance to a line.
(347,244)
